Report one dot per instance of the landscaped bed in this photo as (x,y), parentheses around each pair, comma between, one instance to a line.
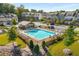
(4,40)
(57,48)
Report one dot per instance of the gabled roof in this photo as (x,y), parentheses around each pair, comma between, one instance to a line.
(77,18)
(7,17)
(77,14)
(70,13)
(68,18)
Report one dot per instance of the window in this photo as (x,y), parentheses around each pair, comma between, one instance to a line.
(8,23)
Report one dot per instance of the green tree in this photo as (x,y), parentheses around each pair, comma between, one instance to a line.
(31,45)
(77,10)
(57,22)
(1,7)
(12,9)
(12,34)
(62,11)
(33,10)
(19,11)
(69,39)
(40,11)
(44,20)
(55,19)
(7,8)
(26,10)
(14,22)
(36,49)
(43,44)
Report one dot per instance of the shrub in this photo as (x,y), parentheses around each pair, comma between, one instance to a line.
(67,52)
(60,38)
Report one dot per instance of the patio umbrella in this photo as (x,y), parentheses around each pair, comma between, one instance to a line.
(52,25)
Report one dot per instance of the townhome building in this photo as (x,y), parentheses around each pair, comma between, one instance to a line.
(69,17)
(6,19)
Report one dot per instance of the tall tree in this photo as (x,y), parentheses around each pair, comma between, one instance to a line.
(37,50)
(1,7)
(26,10)
(40,11)
(33,10)
(31,45)
(69,39)
(56,20)
(43,44)
(12,9)
(12,34)
(20,10)
(7,8)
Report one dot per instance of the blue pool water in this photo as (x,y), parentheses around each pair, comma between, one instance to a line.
(39,34)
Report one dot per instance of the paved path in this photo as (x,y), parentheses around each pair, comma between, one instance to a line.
(7,50)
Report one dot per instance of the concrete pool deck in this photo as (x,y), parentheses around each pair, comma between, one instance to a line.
(27,38)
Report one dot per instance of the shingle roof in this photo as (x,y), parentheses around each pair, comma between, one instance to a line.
(7,17)
(70,13)
(68,18)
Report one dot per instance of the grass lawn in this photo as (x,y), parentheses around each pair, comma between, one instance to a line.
(3,27)
(4,40)
(57,48)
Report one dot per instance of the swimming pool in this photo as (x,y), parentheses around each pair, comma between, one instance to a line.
(39,34)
